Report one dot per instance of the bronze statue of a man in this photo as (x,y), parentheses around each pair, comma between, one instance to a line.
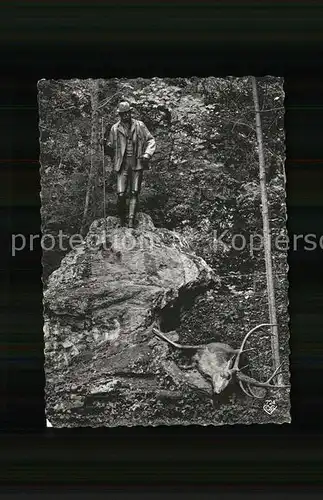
(130,146)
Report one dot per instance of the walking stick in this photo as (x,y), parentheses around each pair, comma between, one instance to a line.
(103,171)
(103,174)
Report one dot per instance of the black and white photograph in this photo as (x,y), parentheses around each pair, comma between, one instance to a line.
(164,251)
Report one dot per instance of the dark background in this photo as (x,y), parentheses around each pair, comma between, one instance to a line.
(107,39)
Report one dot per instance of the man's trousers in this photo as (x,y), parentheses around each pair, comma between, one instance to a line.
(129,178)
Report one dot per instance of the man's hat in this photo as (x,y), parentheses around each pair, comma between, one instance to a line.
(123,107)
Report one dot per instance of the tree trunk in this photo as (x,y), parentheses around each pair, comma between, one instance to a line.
(94,151)
(103,168)
(266,234)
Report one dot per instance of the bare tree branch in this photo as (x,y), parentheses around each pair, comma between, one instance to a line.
(69,107)
(266,231)
(238,122)
(270,109)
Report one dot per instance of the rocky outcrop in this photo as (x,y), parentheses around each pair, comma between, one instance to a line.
(103,364)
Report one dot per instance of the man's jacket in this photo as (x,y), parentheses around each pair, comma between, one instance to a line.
(142,140)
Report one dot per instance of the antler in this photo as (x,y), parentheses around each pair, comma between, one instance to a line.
(241,350)
(242,378)
(252,381)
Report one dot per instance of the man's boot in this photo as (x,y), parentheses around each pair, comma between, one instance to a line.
(132,209)
(122,208)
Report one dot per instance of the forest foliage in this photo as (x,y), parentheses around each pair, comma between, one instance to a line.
(204,176)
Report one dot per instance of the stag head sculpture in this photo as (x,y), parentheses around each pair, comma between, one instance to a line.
(219,363)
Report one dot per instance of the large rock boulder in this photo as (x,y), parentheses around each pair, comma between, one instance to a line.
(103,364)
